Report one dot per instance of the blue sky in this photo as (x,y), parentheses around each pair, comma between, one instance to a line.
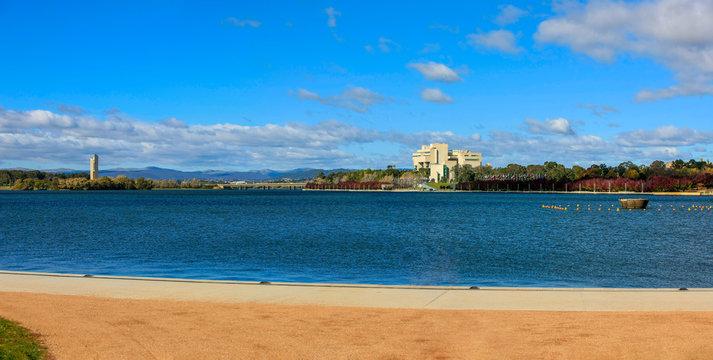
(251,85)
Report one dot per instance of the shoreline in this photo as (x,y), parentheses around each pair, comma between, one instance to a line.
(279,187)
(696,193)
(371,296)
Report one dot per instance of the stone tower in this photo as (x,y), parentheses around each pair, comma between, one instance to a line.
(94,167)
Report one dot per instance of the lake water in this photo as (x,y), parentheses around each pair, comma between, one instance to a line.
(483,239)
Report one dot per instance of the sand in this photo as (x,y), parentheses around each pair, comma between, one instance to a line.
(83,327)
(355,295)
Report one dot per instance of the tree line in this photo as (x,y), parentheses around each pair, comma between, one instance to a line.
(366,175)
(10,177)
(549,170)
(557,172)
(39,180)
(121,182)
(657,176)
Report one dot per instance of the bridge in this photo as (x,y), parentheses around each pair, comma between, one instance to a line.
(262,186)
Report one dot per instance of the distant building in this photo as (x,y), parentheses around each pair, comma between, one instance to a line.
(441,161)
(94,167)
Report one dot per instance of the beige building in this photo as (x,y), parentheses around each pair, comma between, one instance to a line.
(441,161)
(94,167)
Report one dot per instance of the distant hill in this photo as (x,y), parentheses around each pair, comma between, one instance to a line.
(64,171)
(157,173)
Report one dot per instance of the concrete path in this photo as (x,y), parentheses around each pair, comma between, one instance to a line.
(411,297)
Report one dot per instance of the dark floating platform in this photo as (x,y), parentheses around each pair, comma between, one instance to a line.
(633,203)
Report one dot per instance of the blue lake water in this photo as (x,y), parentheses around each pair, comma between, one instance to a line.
(483,239)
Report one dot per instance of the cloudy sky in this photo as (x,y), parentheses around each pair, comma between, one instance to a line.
(276,84)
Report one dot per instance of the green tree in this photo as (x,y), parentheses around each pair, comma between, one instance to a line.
(604,167)
(657,167)
(514,169)
(124,183)
(464,173)
(5,178)
(424,172)
(555,171)
(549,165)
(579,172)
(632,174)
(626,166)
(535,169)
(594,171)
(391,170)
(143,184)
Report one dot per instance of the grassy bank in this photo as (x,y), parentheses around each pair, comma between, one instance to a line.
(18,343)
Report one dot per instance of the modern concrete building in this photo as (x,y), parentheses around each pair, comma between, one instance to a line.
(441,161)
(94,167)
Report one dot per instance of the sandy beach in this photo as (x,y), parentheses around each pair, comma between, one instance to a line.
(149,319)
(80,327)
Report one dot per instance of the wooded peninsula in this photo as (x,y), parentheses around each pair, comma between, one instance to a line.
(658,176)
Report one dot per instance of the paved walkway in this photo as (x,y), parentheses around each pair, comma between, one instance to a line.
(410,297)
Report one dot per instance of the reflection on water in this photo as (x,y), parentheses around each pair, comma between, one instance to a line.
(345,237)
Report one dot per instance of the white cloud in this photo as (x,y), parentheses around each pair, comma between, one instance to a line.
(356,98)
(665,136)
(173,122)
(337,37)
(509,15)
(676,33)
(435,71)
(363,96)
(684,89)
(243,23)
(44,136)
(502,40)
(599,110)
(436,95)
(449,28)
(306,95)
(40,135)
(64,108)
(559,126)
(332,16)
(369,48)
(430,48)
(386,45)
